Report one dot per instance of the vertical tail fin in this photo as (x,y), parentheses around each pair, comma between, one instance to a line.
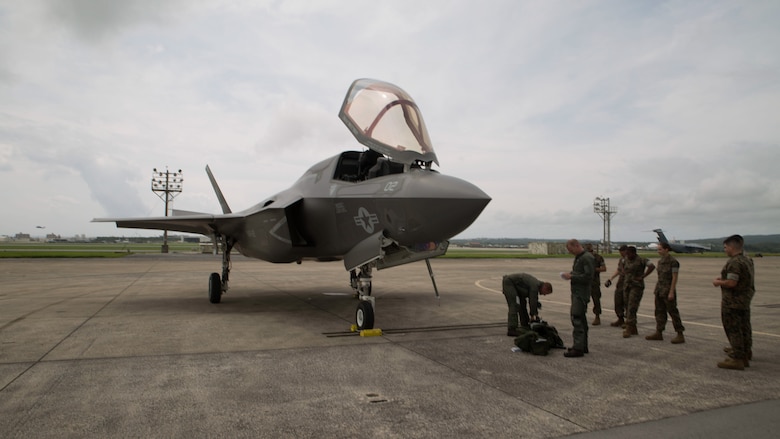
(661,237)
(220,197)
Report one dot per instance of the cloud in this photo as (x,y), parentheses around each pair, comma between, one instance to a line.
(668,108)
(93,21)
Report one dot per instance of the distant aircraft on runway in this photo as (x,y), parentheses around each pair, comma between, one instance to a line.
(373,209)
(678,247)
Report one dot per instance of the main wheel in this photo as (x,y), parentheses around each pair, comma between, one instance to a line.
(364,316)
(215,288)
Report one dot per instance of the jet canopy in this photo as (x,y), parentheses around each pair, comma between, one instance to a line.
(384,118)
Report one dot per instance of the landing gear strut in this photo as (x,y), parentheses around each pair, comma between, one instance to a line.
(218,286)
(361,285)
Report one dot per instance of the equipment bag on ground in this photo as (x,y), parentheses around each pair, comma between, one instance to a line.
(539,339)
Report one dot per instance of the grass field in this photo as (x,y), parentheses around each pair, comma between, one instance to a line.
(87,250)
(118,250)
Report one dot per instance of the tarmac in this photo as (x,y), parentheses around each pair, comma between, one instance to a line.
(132,347)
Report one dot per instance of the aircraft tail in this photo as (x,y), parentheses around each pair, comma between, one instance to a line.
(661,237)
(220,197)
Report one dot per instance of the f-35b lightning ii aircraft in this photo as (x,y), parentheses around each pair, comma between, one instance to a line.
(680,248)
(377,208)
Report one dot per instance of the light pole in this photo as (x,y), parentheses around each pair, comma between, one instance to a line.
(606,212)
(166,185)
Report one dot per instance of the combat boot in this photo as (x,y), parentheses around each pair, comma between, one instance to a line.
(619,322)
(634,331)
(655,336)
(679,339)
(729,350)
(628,331)
(732,363)
(596,321)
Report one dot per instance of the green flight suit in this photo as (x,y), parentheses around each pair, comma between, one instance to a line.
(582,272)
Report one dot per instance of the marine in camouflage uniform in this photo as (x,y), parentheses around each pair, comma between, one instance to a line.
(666,296)
(620,301)
(636,269)
(595,286)
(581,276)
(737,286)
(526,288)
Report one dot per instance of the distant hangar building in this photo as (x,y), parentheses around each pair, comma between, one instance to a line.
(547,248)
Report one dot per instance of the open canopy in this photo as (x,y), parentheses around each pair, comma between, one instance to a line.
(384,118)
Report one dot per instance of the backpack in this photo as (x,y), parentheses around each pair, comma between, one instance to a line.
(539,339)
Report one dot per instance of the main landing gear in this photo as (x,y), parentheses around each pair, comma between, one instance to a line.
(361,285)
(218,286)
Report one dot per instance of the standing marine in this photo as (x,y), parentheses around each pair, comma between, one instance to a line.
(637,268)
(620,299)
(666,295)
(737,286)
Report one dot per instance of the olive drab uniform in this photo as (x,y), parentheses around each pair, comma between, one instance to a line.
(595,286)
(735,305)
(635,289)
(581,277)
(621,299)
(666,267)
(525,287)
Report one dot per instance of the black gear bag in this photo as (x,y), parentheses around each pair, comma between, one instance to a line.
(539,339)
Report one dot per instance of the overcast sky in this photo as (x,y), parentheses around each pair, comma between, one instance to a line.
(669,108)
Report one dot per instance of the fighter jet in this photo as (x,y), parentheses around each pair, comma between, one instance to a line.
(372,209)
(678,247)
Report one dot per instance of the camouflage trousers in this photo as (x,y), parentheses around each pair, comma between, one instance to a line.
(620,301)
(664,306)
(595,294)
(633,295)
(736,323)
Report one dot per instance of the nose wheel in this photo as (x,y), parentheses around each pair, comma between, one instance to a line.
(364,315)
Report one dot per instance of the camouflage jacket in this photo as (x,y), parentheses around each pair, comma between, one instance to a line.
(666,267)
(621,269)
(635,270)
(599,262)
(739,268)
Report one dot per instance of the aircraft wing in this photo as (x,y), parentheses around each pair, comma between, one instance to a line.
(202,223)
(697,247)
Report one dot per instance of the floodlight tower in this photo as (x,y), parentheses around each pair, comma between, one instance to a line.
(166,185)
(606,212)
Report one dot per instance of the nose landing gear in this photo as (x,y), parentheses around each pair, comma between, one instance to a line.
(361,285)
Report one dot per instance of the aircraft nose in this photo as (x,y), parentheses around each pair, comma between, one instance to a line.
(438,207)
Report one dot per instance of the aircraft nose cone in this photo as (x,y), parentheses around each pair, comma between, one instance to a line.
(438,208)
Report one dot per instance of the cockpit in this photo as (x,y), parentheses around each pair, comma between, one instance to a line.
(386,119)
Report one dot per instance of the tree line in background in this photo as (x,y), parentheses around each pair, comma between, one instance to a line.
(753,243)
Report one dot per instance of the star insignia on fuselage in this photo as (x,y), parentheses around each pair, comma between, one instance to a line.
(366,220)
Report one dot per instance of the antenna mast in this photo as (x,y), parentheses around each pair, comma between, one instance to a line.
(606,212)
